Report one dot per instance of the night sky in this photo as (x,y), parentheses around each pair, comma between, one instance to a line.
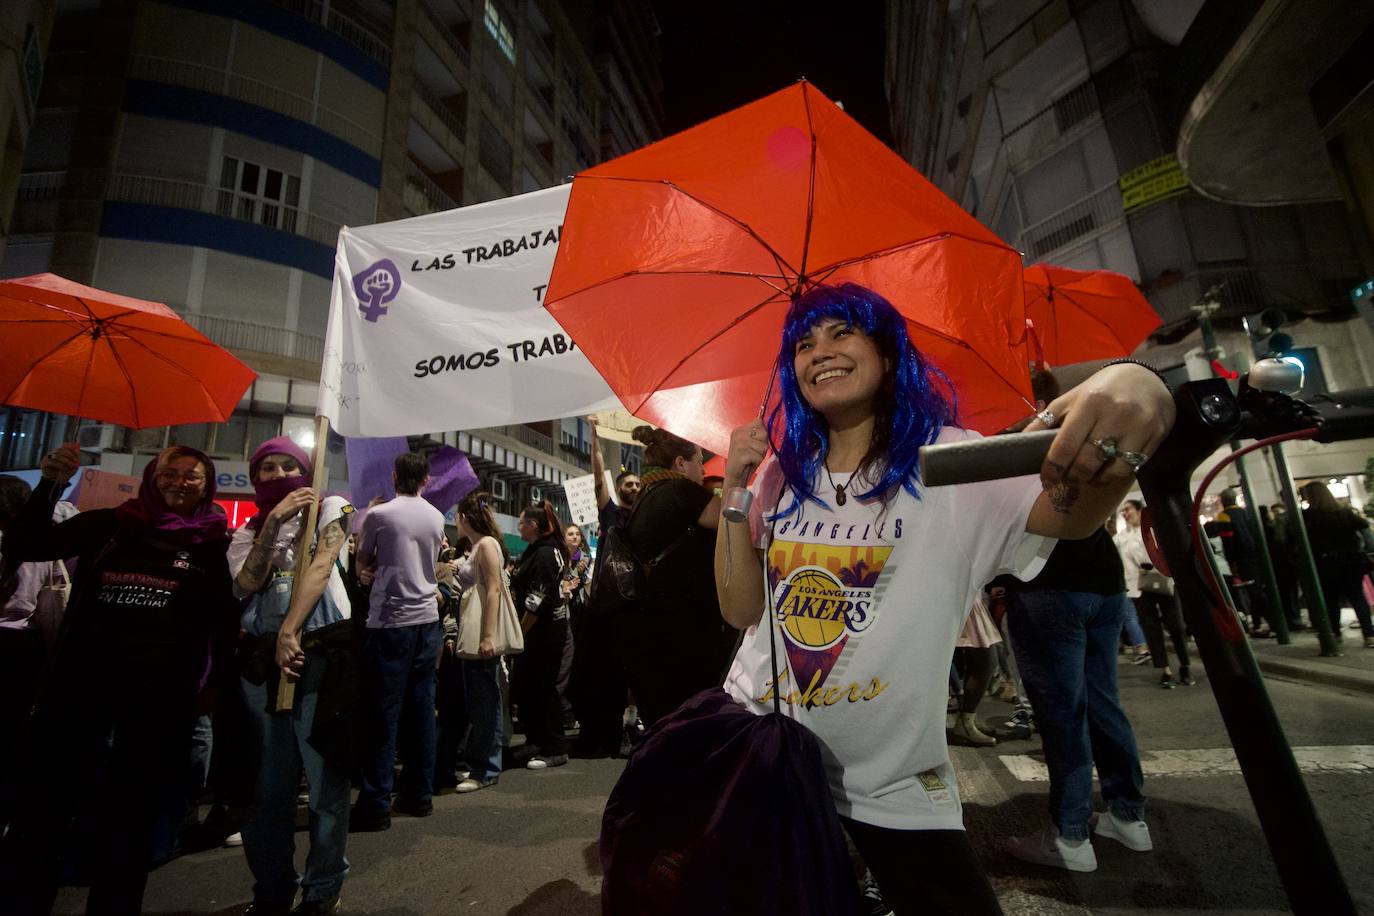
(718,55)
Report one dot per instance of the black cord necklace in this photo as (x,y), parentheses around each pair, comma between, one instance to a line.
(840,497)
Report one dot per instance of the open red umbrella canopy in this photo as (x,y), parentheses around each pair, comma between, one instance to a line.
(1079,315)
(75,350)
(677,264)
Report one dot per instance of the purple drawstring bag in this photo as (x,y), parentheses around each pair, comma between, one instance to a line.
(720,810)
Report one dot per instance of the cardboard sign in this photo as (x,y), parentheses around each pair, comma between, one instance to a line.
(581,492)
(103,490)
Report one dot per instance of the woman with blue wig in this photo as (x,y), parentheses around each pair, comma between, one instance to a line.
(870,575)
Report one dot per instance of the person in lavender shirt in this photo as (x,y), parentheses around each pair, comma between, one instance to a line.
(399,546)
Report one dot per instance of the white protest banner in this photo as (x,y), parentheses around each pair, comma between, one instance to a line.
(581,493)
(436,323)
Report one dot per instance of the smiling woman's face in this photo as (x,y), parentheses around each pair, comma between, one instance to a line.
(839,368)
(182,483)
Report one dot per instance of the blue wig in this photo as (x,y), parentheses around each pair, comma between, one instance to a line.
(910,404)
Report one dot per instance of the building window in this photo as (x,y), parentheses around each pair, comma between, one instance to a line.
(251,192)
(497,28)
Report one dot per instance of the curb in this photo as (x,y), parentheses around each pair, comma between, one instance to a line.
(1330,676)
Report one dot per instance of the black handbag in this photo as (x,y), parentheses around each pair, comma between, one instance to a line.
(622,576)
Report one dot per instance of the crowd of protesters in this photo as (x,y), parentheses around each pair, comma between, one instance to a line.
(274,669)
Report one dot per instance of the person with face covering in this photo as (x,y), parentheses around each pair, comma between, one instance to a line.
(262,557)
(870,574)
(151,621)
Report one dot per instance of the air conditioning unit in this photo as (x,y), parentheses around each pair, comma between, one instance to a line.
(96,438)
(498,488)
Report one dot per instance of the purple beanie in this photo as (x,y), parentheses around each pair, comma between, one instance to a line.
(281,445)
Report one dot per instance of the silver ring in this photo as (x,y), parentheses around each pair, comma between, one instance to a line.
(1047,417)
(1134,459)
(1107,446)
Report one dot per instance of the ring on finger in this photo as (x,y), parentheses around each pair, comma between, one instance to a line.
(1047,417)
(1107,446)
(1134,459)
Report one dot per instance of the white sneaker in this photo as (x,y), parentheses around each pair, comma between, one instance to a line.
(233,839)
(1048,848)
(1134,835)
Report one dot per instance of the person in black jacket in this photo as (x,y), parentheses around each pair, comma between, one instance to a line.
(543,607)
(675,520)
(151,621)
(1334,532)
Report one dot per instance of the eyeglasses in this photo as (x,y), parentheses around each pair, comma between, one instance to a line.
(169,475)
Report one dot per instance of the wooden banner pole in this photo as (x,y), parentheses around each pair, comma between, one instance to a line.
(286,686)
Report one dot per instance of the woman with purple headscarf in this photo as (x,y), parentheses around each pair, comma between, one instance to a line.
(150,622)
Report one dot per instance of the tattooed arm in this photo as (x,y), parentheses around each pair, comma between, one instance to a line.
(257,566)
(307,593)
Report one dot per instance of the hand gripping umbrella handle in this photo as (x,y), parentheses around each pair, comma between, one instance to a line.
(1012,455)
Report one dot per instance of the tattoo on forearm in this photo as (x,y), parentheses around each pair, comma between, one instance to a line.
(255,566)
(1063,496)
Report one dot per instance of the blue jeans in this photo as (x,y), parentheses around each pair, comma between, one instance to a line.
(1066,650)
(1131,621)
(482,693)
(400,665)
(269,836)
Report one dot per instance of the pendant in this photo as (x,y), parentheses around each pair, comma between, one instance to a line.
(840,498)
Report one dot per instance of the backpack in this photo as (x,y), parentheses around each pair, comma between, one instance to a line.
(621,576)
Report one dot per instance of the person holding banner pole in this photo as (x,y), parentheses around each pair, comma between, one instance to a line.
(280,609)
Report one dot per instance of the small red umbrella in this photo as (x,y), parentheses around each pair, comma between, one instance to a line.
(74,350)
(678,262)
(1081,315)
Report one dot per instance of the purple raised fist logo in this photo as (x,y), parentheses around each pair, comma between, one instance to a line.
(376,286)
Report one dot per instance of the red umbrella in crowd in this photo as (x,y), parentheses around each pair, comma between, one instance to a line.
(74,350)
(678,261)
(1081,315)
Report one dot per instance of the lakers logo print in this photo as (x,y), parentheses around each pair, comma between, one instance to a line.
(817,610)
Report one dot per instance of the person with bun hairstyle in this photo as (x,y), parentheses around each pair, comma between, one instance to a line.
(536,587)
(863,577)
(675,519)
(483,568)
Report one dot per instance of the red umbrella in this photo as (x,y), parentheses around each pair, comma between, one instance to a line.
(1081,315)
(74,350)
(678,261)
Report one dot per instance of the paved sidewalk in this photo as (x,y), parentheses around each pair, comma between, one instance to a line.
(1301,660)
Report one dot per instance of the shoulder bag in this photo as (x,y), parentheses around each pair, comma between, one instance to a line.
(508,639)
(50,605)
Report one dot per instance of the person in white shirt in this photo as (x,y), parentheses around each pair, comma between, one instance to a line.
(1152,595)
(871,575)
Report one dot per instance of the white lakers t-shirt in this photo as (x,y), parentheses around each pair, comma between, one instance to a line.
(867,604)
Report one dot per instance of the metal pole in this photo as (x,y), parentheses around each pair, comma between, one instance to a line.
(1278,615)
(1307,567)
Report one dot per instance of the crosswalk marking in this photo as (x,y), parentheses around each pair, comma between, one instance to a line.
(1219,761)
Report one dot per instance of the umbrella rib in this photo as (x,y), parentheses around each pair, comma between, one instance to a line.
(36,363)
(124,370)
(783,266)
(927,240)
(810,190)
(1069,296)
(949,338)
(699,347)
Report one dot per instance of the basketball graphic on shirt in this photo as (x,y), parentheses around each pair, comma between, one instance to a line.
(813,609)
(823,597)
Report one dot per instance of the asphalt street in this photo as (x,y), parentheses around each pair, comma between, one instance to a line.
(528,845)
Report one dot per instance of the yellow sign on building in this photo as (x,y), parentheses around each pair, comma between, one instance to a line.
(1152,182)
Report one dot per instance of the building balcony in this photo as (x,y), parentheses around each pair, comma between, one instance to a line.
(234,334)
(350,30)
(260,94)
(1098,211)
(451,117)
(447,38)
(225,202)
(1245,289)
(423,195)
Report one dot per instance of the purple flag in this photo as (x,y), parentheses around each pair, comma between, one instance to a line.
(450,478)
(369,467)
